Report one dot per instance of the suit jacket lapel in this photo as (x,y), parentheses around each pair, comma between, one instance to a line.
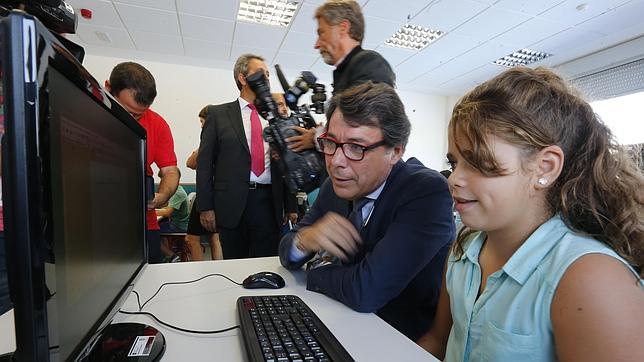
(234,115)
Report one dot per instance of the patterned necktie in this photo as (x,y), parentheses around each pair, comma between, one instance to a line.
(256,142)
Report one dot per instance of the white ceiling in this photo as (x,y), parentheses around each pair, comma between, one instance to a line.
(206,33)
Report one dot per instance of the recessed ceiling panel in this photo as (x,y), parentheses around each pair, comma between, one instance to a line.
(199,27)
(220,9)
(256,35)
(149,20)
(156,4)
(157,43)
(447,15)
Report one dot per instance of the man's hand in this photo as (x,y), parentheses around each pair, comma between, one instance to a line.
(207,219)
(304,141)
(156,202)
(333,233)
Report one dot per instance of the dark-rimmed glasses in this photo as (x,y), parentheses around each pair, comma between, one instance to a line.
(352,151)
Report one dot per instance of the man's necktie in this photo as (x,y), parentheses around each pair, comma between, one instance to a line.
(256,142)
(356,214)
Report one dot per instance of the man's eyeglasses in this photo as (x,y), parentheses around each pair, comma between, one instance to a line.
(352,151)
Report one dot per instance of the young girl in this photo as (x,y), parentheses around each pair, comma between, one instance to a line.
(547,267)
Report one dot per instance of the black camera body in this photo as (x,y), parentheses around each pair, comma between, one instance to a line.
(302,170)
(56,15)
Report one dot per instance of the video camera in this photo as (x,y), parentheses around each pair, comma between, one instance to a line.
(56,15)
(303,170)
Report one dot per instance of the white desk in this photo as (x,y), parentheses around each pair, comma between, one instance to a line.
(211,304)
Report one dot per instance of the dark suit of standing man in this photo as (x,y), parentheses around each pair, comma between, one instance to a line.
(245,207)
(389,260)
(340,33)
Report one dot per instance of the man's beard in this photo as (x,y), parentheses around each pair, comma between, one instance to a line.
(326,56)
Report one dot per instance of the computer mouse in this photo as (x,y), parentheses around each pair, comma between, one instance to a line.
(264,280)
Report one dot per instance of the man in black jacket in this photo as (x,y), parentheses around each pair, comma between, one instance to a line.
(340,33)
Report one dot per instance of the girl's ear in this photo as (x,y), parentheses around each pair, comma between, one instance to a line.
(549,162)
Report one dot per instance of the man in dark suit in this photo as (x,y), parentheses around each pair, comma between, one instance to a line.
(380,227)
(239,194)
(340,34)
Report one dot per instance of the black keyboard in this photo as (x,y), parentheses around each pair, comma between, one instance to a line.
(283,328)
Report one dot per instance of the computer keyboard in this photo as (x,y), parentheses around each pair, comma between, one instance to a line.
(283,328)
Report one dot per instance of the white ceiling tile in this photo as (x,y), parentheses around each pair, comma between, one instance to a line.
(220,9)
(304,21)
(249,35)
(567,12)
(490,23)
(623,17)
(294,62)
(206,49)
(301,43)
(237,50)
(378,30)
(103,13)
(437,53)
(529,32)
(395,55)
(475,58)
(159,43)
(447,15)
(392,10)
(199,27)
(104,36)
(149,20)
(156,4)
(565,41)
(530,7)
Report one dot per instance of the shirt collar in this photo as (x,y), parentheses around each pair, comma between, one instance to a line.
(527,258)
(242,102)
(376,193)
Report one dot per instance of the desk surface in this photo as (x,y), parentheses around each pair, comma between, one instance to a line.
(211,304)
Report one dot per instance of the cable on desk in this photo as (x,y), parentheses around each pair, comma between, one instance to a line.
(186,282)
(178,328)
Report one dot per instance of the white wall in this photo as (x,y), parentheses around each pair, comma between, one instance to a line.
(184,89)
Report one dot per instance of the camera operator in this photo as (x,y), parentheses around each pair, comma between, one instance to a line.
(239,191)
(340,33)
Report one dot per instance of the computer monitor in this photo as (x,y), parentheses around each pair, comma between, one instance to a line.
(74,195)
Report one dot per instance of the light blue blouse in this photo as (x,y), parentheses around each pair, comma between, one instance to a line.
(511,319)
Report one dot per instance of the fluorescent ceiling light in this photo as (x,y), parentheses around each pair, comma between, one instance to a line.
(267,12)
(521,57)
(413,37)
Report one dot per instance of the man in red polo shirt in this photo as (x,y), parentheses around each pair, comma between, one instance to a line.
(135,89)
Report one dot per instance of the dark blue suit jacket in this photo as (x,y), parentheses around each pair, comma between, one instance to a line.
(398,271)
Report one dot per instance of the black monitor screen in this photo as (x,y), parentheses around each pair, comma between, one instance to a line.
(97,198)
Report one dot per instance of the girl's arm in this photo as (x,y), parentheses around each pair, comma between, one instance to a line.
(435,341)
(597,312)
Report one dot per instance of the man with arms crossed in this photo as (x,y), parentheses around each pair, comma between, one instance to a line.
(389,259)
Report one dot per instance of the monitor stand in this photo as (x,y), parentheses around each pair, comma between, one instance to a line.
(128,342)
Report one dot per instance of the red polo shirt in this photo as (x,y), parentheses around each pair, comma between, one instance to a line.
(160,150)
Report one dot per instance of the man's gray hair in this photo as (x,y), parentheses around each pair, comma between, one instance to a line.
(241,66)
(335,11)
(376,105)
